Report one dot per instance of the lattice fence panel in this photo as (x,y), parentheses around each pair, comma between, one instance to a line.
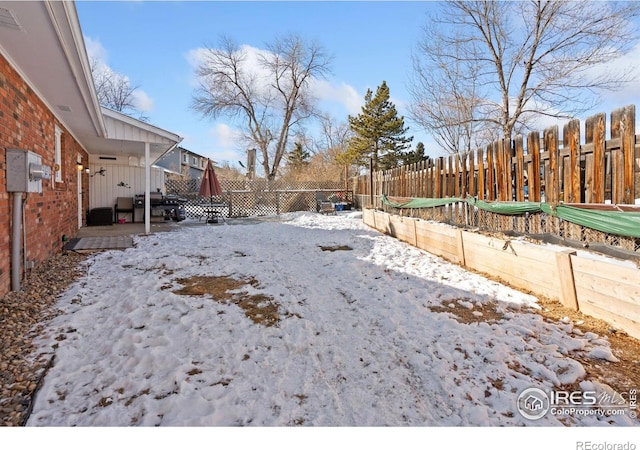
(244,198)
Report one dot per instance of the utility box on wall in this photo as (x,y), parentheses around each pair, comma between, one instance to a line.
(25,171)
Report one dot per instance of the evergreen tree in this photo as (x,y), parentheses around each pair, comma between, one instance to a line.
(415,156)
(298,157)
(379,133)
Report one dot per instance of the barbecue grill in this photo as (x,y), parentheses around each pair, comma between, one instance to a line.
(170,207)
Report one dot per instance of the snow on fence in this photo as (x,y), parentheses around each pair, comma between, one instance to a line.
(604,288)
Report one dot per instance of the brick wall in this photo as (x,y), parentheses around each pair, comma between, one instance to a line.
(27,123)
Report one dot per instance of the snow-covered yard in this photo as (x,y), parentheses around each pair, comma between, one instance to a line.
(305,320)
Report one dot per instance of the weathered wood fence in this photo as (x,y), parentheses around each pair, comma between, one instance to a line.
(601,172)
(548,168)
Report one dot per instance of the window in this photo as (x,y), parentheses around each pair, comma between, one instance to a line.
(58,155)
(194,161)
(185,158)
(202,163)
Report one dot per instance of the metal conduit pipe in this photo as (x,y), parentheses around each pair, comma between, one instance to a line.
(15,241)
(24,237)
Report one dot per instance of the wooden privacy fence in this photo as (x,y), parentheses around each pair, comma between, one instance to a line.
(245,198)
(550,168)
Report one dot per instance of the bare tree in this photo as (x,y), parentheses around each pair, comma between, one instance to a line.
(333,135)
(529,58)
(270,100)
(332,142)
(444,93)
(114,90)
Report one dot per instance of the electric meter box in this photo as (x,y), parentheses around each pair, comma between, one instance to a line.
(25,171)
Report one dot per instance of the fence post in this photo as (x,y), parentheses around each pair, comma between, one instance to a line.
(371,183)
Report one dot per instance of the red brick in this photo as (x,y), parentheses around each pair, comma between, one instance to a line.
(26,123)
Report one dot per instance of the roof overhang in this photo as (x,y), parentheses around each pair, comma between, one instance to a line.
(43,42)
(128,136)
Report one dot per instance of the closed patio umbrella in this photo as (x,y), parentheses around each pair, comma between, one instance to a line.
(210,187)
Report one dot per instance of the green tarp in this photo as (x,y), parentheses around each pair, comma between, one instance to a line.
(613,222)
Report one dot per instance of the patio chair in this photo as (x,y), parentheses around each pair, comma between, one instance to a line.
(123,205)
(323,205)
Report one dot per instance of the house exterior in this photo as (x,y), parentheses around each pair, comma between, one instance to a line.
(183,162)
(50,113)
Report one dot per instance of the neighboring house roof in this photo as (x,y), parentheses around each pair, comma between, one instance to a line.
(43,41)
(173,161)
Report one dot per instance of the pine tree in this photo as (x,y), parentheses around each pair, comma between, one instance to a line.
(415,156)
(298,157)
(379,132)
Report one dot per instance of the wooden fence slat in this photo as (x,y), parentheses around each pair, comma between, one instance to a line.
(438,178)
(519,175)
(490,174)
(617,174)
(533,150)
(508,169)
(595,131)
(552,184)
(450,177)
(571,139)
(498,165)
(482,189)
(456,177)
(472,175)
(464,182)
(627,147)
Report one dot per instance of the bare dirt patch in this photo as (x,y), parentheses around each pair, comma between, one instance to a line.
(334,248)
(260,308)
(621,376)
(486,312)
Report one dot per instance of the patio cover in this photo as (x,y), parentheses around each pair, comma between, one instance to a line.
(43,41)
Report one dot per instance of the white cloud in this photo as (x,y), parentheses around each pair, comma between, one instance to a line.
(251,64)
(95,50)
(342,93)
(339,93)
(225,137)
(142,101)
(225,144)
(98,58)
(630,92)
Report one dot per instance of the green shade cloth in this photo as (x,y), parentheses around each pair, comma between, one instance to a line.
(613,222)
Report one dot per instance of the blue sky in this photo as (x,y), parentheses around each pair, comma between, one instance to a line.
(151,42)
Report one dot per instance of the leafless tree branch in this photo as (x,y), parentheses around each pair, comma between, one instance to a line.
(271,99)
